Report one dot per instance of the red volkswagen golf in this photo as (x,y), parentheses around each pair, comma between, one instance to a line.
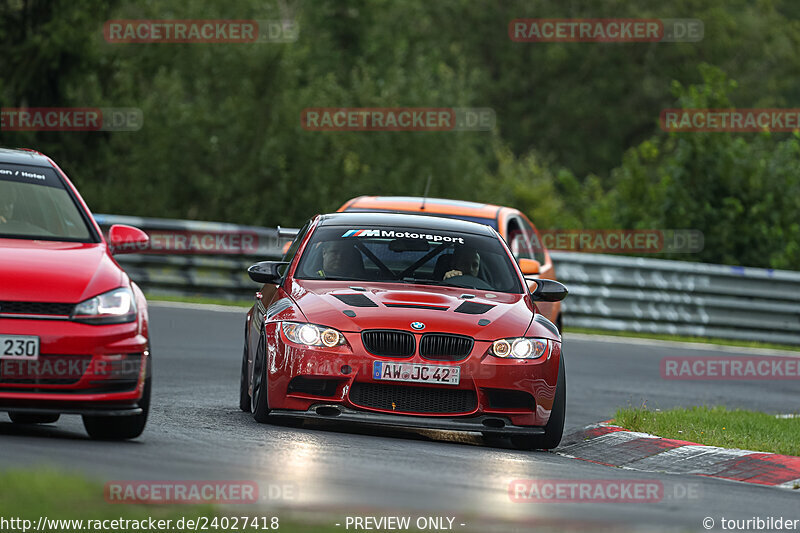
(405,320)
(73,327)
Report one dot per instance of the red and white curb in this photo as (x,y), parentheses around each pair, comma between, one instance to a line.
(615,446)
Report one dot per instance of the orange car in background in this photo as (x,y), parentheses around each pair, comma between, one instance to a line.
(519,232)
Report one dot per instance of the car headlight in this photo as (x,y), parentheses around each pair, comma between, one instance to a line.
(313,335)
(112,307)
(519,348)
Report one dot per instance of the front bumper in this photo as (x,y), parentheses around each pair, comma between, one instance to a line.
(346,368)
(81,369)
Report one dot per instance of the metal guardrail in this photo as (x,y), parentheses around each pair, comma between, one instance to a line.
(676,297)
(193,258)
(606,291)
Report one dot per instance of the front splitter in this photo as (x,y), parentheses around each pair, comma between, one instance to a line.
(479,424)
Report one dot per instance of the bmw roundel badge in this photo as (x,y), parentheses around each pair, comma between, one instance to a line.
(418,325)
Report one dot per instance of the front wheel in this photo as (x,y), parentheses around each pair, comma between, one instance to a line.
(259,404)
(122,427)
(26,418)
(555,426)
(244,393)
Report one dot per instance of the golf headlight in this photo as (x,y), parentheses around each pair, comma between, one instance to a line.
(519,348)
(112,307)
(312,335)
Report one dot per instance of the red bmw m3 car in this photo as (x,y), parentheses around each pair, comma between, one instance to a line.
(405,320)
(73,327)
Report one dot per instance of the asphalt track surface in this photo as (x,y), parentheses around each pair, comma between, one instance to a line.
(196,432)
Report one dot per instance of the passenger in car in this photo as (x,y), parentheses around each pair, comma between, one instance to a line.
(466,261)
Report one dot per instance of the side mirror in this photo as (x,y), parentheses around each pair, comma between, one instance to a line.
(266,272)
(548,290)
(529,266)
(126,239)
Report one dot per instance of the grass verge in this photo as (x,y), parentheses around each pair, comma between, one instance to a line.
(682,338)
(31,494)
(197,300)
(717,426)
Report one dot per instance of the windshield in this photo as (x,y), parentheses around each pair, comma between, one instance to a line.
(34,204)
(408,255)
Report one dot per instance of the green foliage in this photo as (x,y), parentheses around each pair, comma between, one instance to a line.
(744,193)
(577,141)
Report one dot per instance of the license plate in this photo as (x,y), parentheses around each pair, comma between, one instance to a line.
(443,375)
(19,347)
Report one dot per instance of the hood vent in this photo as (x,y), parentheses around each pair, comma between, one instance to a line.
(355,300)
(473,308)
(420,306)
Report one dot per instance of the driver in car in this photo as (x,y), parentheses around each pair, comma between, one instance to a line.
(7,198)
(466,262)
(340,259)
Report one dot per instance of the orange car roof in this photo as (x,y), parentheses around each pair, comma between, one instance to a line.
(432,205)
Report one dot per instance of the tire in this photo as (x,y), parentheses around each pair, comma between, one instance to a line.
(122,427)
(244,393)
(555,426)
(259,404)
(32,418)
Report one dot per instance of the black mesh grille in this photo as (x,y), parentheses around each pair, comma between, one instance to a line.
(510,399)
(313,386)
(47,370)
(388,343)
(444,347)
(413,399)
(35,308)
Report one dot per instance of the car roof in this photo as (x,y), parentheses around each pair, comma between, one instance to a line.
(404,221)
(431,205)
(23,157)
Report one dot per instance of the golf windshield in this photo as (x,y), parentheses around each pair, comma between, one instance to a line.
(409,255)
(34,204)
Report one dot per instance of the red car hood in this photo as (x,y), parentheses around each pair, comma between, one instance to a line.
(396,306)
(59,272)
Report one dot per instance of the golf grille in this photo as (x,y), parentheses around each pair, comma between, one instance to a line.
(388,343)
(35,308)
(413,399)
(444,347)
